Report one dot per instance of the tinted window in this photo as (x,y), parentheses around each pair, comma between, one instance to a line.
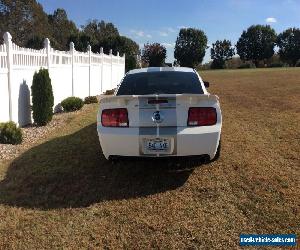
(171,82)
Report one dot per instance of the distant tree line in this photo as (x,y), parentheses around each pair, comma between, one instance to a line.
(255,47)
(29,25)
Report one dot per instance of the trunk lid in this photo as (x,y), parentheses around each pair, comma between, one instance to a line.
(165,110)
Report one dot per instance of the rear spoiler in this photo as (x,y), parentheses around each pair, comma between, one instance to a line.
(190,98)
(196,98)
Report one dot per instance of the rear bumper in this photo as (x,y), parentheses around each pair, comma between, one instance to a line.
(189,141)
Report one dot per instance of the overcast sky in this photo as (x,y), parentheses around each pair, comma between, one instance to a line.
(160,21)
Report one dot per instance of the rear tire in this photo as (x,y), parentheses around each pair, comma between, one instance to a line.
(218,153)
(113,160)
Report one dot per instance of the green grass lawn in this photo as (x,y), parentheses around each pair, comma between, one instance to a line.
(62,193)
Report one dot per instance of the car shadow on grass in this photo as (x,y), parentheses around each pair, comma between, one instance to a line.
(70,171)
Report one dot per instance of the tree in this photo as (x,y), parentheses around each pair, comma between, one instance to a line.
(61,28)
(29,25)
(130,49)
(121,44)
(154,54)
(190,47)
(23,19)
(100,34)
(289,45)
(99,30)
(256,43)
(220,52)
(106,35)
(80,40)
(35,42)
(42,97)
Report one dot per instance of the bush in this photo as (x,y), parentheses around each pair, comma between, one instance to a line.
(42,98)
(276,65)
(217,64)
(72,103)
(90,99)
(297,63)
(10,133)
(109,92)
(246,66)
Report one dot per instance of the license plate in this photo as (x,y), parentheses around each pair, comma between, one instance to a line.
(158,144)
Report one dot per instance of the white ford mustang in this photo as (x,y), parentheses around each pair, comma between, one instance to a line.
(159,112)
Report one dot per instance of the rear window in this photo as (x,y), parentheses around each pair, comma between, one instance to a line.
(173,82)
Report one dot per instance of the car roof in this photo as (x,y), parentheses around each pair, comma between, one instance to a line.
(158,69)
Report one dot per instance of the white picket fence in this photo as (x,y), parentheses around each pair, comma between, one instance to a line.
(72,73)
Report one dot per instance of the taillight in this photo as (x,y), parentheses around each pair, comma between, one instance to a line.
(114,117)
(203,116)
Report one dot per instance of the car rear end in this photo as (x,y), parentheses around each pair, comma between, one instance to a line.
(160,124)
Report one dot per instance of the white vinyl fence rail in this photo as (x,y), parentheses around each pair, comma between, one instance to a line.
(72,73)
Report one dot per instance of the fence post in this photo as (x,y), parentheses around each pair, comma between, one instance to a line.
(111,68)
(90,65)
(47,46)
(72,50)
(9,50)
(118,67)
(102,62)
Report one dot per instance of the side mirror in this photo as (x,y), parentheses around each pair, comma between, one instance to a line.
(206,84)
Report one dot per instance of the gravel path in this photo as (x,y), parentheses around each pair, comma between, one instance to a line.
(31,135)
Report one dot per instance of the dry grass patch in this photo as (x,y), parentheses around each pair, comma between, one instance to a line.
(63,194)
